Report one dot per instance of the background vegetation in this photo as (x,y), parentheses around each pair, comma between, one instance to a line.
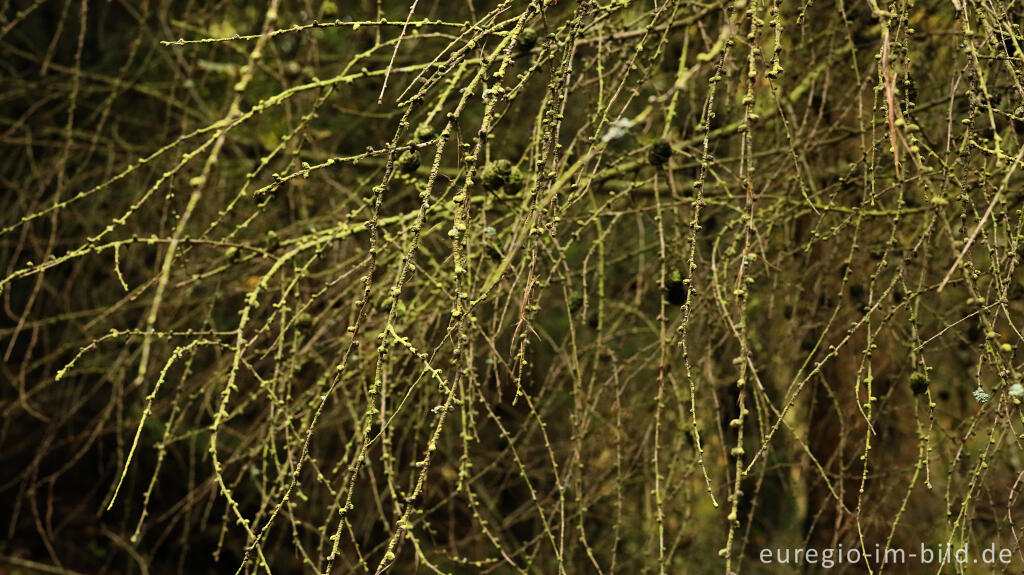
(518,286)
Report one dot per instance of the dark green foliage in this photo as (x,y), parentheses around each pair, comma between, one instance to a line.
(918,382)
(496,175)
(675,289)
(424,133)
(527,39)
(659,153)
(408,162)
